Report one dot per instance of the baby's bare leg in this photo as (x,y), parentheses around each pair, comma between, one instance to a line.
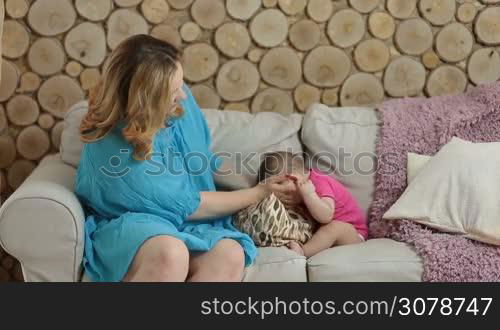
(332,234)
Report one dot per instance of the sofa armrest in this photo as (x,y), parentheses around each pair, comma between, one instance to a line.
(42,224)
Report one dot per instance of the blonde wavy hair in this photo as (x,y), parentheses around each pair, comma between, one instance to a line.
(135,88)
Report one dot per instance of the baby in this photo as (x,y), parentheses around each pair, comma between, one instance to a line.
(340,219)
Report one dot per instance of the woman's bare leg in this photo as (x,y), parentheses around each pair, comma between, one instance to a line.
(224,263)
(160,259)
(333,234)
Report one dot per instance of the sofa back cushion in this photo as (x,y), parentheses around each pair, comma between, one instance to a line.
(71,145)
(341,142)
(242,138)
(239,138)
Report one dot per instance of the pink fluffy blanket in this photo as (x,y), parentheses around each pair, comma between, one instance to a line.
(423,126)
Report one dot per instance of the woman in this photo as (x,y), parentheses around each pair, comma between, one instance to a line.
(150,217)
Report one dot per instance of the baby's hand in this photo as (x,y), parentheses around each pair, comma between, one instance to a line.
(306,188)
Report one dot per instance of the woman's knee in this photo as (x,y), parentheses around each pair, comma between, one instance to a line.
(169,251)
(234,256)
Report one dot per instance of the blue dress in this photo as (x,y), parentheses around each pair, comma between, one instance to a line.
(126,202)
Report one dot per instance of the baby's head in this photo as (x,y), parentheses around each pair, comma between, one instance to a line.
(283,163)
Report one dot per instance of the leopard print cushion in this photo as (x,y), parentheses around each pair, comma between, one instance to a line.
(269,223)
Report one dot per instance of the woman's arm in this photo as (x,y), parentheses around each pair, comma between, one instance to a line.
(220,203)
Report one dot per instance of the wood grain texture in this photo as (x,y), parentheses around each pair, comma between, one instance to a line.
(238,55)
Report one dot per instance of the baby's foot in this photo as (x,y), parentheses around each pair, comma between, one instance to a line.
(296,247)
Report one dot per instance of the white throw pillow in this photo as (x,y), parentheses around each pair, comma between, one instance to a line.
(343,140)
(457,191)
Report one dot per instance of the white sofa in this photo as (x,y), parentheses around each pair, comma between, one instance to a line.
(42,223)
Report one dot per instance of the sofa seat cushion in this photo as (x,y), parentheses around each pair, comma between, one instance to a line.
(271,265)
(276,264)
(377,260)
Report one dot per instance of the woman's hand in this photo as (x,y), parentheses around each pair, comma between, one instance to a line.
(223,203)
(286,192)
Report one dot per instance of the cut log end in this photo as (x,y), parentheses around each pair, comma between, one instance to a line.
(155,11)
(46,121)
(273,100)
(446,80)
(93,10)
(484,66)
(346,28)
(330,97)
(18,172)
(201,62)
(168,34)
(15,39)
(10,80)
(372,55)
(292,7)
(243,10)
(49,20)
(431,60)
(86,43)
(7,150)
(364,6)
(46,56)
(327,67)
(305,95)
(237,80)
(281,67)
(241,107)
(58,94)
(209,14)
(16,8)
(414,36)
(269,28)
(268,3)
(487,28)
(233,40)
(454,43)
(466,12)
(362,89)
(33,143)
(320,10)
(30,82)
(3,121)
(190,31)
(89,78)
(22,110)
(180,4)
(438,12)
(73,69)
(206,97)
(401,9)
(381,25)
(124,23)
(305,35)
(404,77)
